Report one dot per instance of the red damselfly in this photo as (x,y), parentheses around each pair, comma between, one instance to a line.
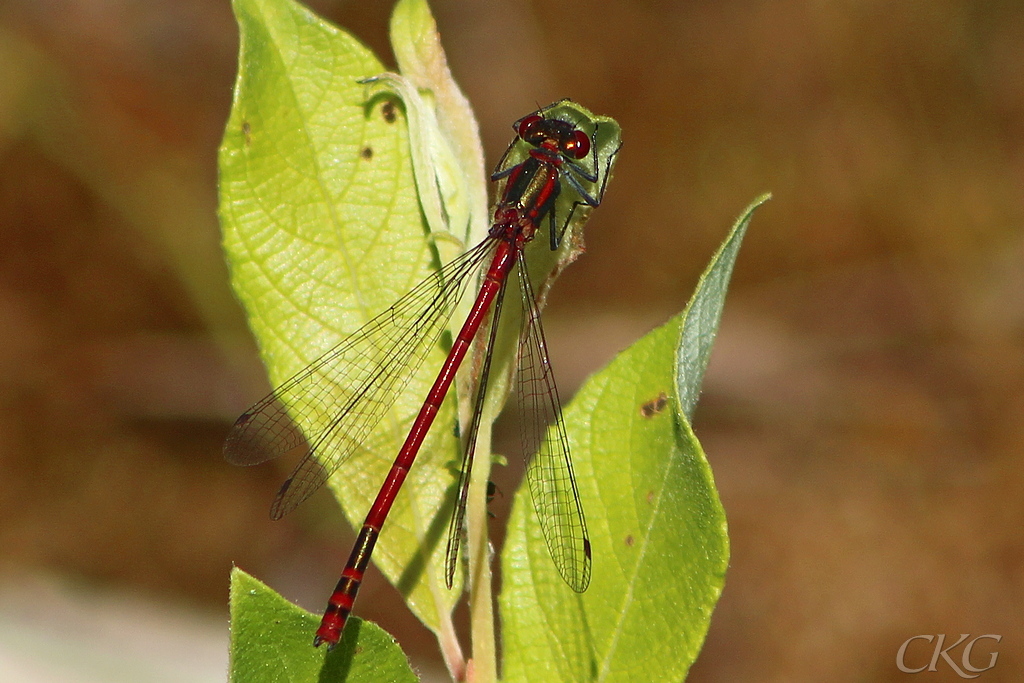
(357,382)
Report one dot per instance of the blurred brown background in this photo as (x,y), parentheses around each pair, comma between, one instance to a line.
(864,411)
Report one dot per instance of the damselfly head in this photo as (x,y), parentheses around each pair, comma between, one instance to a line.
(553,134)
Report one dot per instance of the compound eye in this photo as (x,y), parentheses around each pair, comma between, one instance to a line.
(579,146)
(525,126)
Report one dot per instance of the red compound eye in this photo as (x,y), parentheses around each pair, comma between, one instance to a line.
(579,146)
(527,123)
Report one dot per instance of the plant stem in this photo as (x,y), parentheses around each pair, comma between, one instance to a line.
(484,665)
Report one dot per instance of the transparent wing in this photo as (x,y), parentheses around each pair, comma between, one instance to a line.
(462,491)
(328,410)
(549,473)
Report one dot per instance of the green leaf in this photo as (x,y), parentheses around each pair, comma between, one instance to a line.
(270,642)
(459,163)
(657,528)
(703,313)
(323,231)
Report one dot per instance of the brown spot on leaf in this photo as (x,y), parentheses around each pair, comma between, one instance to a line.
(655,406)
